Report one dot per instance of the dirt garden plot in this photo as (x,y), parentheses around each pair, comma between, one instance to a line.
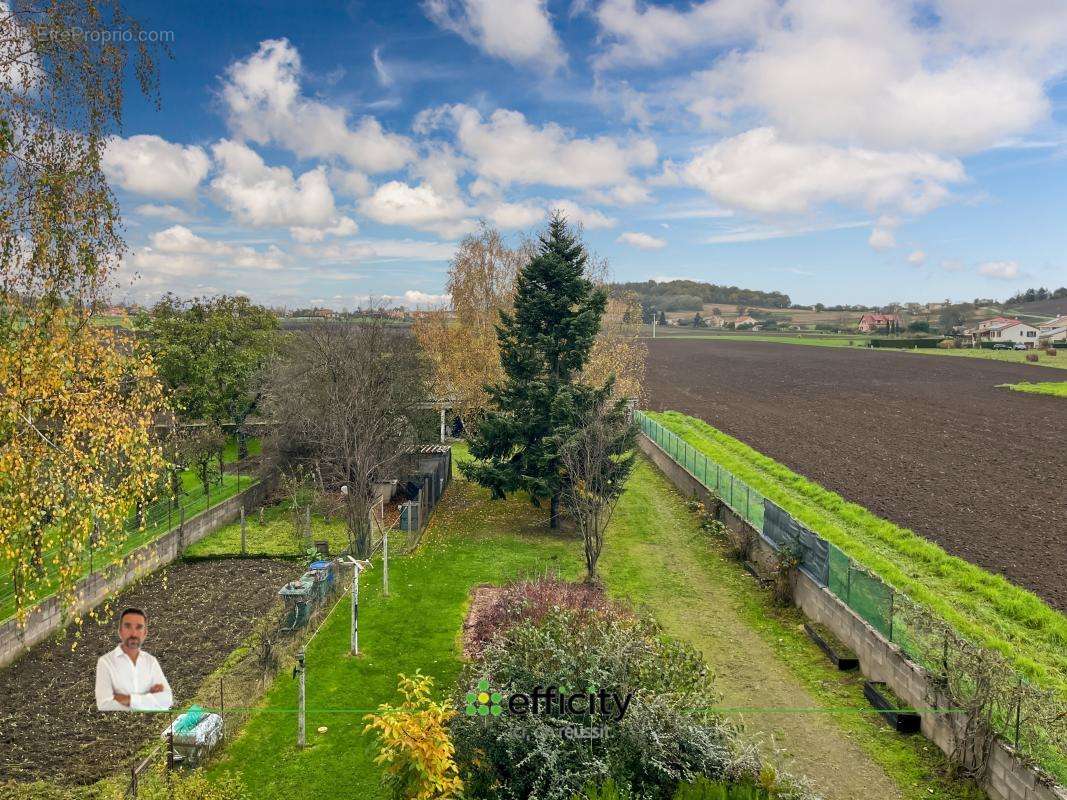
(198,612)
(928,443)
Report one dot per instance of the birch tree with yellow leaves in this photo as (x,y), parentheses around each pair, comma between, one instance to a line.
(76,406)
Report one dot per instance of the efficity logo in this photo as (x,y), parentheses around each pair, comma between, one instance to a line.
(484,702)
(549,700)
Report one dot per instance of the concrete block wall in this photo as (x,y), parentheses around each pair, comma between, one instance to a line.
(1008,778)
(48,616)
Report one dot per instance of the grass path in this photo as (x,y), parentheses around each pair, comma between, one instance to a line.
(657,555)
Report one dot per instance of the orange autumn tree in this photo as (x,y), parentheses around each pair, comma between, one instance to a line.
(75,407)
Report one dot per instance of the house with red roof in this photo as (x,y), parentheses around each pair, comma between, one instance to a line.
(889,323)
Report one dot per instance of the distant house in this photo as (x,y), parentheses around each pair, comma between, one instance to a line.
(1055,330)
(880,322)
(1011,331)
(746,321)
(989,323)
(325,313)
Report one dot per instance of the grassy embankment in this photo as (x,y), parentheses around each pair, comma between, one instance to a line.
(655,550)
(982,606)
(1051,388)
(158,521)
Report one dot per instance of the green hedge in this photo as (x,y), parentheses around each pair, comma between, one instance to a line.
(907,344)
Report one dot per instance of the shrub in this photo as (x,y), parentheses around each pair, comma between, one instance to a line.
(1050,351)
(666,736)
(531,601)
(947,344)
(414,744)
(1032,357)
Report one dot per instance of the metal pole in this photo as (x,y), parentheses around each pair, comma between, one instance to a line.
(442,424)
(385,564)
(244,532)
(222,707)
(354,644)
(300,730)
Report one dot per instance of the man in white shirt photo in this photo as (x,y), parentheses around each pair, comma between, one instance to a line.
(128,678)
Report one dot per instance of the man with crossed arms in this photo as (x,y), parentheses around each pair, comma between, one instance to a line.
(128,678)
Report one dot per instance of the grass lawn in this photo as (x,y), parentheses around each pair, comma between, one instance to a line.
(655,555)
(1010,356)
(1051,388)
(818,340)
(984,607)
(278,535)
(159,519)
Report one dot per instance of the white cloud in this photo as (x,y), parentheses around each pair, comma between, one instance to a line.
(654,34)
(177,253)
(349,251)
(882,239)
(519,31)
(264,103)
(1001,270)
(167,212)
(261,196)
(761,172)
(917,258)
(351,183)
(877,74)
(642,241)
(511,216)
(421,206)
(344,226)
(384,78)
(424,300)
(589,218)
(506,149)
(760,233)
(152,166)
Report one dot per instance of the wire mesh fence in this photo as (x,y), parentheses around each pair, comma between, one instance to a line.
(893,614)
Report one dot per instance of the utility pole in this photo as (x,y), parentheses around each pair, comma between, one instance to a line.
(653,323)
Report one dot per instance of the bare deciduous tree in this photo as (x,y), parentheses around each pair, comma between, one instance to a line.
(597,459)
(342,398)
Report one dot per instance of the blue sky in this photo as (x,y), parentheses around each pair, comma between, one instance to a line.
(837,150)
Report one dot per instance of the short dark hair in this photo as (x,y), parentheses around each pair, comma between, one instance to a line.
(132,610)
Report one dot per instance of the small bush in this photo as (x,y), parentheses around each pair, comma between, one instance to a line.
(1032,357)
(1050,351)
(947,344)
(667,735)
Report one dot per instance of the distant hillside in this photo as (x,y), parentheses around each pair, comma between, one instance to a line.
(692,295)
(1045,308)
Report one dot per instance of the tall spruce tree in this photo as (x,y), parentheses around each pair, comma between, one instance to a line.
(544,344)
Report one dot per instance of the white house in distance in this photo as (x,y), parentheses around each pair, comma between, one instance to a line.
(1007,331)
(1055,330)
